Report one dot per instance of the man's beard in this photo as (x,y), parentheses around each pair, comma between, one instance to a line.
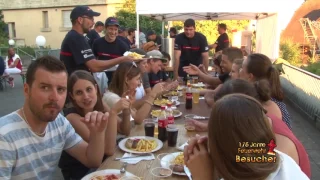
(39,113)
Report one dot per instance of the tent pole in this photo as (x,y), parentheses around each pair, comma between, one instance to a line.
(163,28)
(137,31)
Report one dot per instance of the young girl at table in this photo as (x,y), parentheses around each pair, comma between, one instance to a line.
(124,83)
(237,119)
(85,97)
(286,140)
(258,66)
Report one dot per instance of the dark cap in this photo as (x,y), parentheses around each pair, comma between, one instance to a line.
(151,32)
(189,23)
(112,21)
(122,29)
(99,23)
(80,11)
(174,30)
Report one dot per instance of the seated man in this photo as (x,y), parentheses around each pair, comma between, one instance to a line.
(33,137)
(162,75)
(13,65)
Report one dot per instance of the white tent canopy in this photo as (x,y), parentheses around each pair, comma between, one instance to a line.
(266,12)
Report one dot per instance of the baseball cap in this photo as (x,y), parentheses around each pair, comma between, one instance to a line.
(80,11)
(189,23)
(151,32)
(111,21)
(155,54)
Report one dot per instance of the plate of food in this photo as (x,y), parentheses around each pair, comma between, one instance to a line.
(133,54)
(180,88)
(172,93)
(174,161)
(108,174)
(160,102)
(198,85)
(156,113)
(140,144)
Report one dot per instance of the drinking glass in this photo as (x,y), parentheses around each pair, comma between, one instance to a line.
(149,127)
(172,132)
(189,126)
(195,95)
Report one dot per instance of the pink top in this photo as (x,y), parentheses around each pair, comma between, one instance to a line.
(279,127)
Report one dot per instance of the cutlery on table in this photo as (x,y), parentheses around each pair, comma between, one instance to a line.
(187,171)
(135,156)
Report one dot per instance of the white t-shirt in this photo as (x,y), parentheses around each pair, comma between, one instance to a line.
(16,56)
(140,93)
(288,169)
(111,99)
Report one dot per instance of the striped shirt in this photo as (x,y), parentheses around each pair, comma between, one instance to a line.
(24,155)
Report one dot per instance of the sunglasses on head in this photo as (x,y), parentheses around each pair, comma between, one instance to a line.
(133,65)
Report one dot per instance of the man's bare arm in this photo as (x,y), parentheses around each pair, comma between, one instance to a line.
(101,65)
(205,60)
(177,54)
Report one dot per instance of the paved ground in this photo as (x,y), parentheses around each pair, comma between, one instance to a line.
(12,99)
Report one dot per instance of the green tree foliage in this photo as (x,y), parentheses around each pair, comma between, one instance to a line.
(313,68)
(127,18)
(210,27)
(290,51)
(3,34)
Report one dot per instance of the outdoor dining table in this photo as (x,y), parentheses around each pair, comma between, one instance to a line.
(143,168)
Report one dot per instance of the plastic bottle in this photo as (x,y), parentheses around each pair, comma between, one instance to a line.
(189,97)
(162,124)
(169,113)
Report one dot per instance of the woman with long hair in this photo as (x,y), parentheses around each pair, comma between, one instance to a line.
(258,66)
(124,83)
(238,121)
(286,140)
(85,96)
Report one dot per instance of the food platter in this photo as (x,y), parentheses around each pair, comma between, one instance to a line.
(160,102)
(176,160)
(134,55)
(156,113)
(172,93)
(198,85)
(101,175)
(123,145)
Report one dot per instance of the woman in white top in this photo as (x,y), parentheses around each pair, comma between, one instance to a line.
(124,83)
(237,125)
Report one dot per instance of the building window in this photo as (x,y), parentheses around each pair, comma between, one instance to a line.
(66,22)
(12,30)
(45,19)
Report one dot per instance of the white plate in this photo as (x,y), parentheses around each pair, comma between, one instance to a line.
(177,104)
(177,115)
(106,172)
(122,144)
(199,85)
(166,162)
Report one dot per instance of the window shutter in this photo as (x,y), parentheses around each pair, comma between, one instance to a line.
(66,19)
